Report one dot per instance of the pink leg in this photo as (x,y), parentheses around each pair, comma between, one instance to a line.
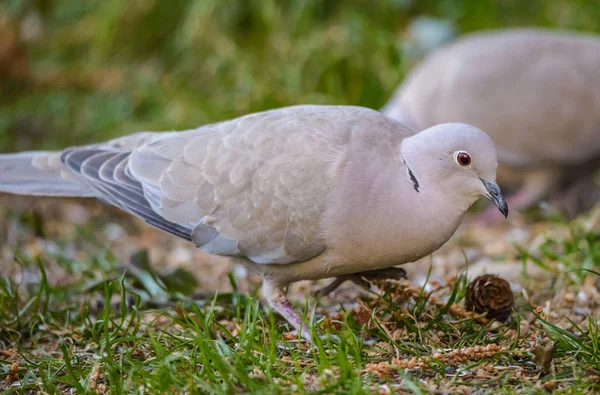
(518,201)
(535,187)
(277,300)
(581,195)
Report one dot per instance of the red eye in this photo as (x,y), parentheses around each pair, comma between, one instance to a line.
(463,159)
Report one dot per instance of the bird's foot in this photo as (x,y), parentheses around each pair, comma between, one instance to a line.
(323,337)
(363,279)
(273,293)
(278,301)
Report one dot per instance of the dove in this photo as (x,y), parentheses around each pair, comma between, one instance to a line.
(297,193)
(534,92)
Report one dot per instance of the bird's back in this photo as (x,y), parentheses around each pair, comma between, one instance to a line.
(255,186)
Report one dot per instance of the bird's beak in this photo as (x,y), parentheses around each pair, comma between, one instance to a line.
(495,195)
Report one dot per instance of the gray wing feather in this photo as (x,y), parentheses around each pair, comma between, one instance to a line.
(255,186)
(123,192)
(38,173)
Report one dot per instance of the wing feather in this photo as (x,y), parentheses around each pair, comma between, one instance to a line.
(127,194)
(255,186)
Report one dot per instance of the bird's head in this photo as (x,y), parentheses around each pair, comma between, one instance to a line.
(457,159)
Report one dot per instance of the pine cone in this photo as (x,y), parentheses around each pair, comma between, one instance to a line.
(492,295)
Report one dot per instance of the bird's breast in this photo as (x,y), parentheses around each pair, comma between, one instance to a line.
(388,223)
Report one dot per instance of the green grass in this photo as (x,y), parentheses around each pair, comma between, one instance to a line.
(100,69)
(114,326)
(76,318)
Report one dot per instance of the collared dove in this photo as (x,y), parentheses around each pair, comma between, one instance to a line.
(297,193)
(535,92)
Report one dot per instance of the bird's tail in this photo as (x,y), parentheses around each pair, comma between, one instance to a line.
(39,173)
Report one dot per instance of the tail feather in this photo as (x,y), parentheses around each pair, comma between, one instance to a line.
(39,173)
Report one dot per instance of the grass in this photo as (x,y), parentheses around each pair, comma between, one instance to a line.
(85,72)
(75,317)
(217,345)
(110,326)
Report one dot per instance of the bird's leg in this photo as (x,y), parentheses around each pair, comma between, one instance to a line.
(362,279)
(278,301)
(536,186)
(580,195)
(332,286)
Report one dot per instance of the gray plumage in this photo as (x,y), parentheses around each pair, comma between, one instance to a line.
(297,193)
(39,173)
(535,92)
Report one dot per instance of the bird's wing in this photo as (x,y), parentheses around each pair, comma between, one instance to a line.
(103,168)
(42,173)
(254,186)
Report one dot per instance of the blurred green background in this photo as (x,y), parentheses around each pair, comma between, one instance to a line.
(75,72)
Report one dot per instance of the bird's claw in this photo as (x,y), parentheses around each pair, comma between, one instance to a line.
(332,286)
(323,337)
(363,279)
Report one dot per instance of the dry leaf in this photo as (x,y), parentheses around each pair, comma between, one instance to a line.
(543,355)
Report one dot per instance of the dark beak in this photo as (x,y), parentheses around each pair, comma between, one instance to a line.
(495,195)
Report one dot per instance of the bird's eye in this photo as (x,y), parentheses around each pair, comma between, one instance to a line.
(463,159)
